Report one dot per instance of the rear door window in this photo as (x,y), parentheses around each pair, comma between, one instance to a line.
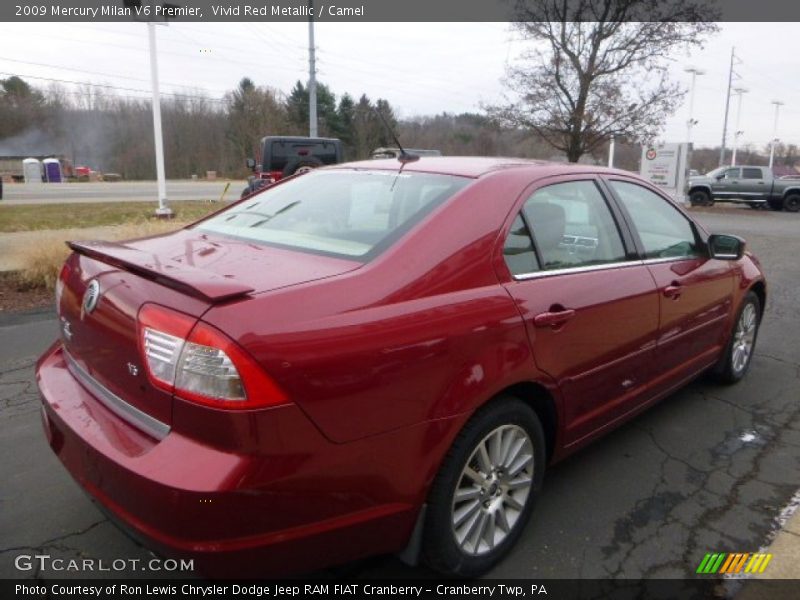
(572,226)
(751,173)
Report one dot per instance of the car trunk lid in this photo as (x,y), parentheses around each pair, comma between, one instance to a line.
(105,284)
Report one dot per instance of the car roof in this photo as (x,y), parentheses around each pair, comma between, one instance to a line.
(477,166)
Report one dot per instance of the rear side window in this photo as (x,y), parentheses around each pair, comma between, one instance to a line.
(345,213)
(572,226)
(663,230)
(751,173)
(518,249)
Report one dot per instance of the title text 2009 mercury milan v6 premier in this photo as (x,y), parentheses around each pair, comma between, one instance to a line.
(381,357)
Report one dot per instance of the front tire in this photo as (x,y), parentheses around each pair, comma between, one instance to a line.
(735,362)
(485,490)
(700,198)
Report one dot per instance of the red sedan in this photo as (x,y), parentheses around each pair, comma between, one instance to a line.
(381,357)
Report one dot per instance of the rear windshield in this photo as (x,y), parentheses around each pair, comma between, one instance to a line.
(353,214)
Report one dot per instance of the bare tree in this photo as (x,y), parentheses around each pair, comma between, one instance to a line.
(598,68)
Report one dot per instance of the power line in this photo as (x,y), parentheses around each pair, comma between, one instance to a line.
(63,68)
(112,87)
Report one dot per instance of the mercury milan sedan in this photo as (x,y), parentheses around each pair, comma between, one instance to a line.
(381,357)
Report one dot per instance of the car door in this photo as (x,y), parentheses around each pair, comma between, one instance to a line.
(590,307)
(753,184)
(727,185)
(695,291)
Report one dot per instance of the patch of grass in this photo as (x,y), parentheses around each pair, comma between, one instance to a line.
(37,217)
(41,262)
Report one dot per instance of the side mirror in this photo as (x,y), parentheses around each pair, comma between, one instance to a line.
(251,164)
(725,247)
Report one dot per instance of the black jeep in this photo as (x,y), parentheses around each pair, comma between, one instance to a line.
(284,156)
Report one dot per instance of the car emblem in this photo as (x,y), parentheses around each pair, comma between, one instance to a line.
(91,296)
(133,369)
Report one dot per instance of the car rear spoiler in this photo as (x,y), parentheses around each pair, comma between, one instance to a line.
(183,278)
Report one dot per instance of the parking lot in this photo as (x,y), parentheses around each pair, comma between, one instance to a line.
(709,469)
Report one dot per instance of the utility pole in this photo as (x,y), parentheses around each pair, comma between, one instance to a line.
(690,122)
(163,210)
(740,91)
(777,104)
(731,75)
(312,74)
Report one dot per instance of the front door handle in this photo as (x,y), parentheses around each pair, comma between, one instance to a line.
(673,290)
(553,318)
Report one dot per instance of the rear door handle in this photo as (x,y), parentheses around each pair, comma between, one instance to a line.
(673,290)
(554,318)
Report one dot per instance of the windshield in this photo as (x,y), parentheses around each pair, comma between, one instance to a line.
(353,214)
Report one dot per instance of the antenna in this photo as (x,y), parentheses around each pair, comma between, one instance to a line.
(404,157)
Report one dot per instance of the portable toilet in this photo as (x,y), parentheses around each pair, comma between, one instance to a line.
(52,170)
(32,170)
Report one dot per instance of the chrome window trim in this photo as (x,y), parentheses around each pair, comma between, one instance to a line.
(115,404)
(654,261)
(604,266)
(579,269)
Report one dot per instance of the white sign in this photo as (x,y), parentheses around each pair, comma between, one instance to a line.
(664,165)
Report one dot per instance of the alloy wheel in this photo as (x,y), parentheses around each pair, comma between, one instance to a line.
(493,489)
(744,338)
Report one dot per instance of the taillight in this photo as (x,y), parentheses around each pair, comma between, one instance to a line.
(199,363)
(60,283)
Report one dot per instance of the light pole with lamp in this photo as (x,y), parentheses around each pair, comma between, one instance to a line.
(774,141)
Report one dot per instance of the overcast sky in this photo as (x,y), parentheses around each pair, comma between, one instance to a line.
(421,68)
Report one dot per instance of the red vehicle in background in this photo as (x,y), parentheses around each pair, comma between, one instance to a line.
(381,356)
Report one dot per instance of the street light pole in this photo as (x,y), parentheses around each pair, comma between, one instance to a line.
(690,121)
(740,91)
(312,74)
(777,104)
(163,210)
(611,153)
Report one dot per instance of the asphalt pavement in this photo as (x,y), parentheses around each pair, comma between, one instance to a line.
(118,191)
(710,469)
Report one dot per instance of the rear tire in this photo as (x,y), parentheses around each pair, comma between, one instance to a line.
(735,362)
(486,488)
(700,198)
(791,203)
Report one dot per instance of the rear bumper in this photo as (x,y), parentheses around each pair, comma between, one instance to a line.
(277,511)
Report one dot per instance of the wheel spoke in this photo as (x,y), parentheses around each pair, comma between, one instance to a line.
(483,459)
(495,447)
(502,519)
(488,535)
(513,503)
(514,451)
(465,512)
(473,475)
(466,493)
(520,483)
(519,464)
